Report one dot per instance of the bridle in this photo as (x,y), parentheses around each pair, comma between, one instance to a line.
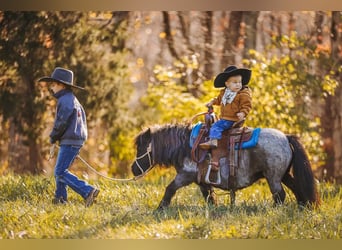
(148,153)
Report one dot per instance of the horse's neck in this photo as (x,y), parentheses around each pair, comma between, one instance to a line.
(171,146)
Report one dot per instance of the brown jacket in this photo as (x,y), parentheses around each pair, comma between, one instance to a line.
(241,103)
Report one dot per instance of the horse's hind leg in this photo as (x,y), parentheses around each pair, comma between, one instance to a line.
(279,197)
(277,191)
(232,197)
(288,180)
(208,194)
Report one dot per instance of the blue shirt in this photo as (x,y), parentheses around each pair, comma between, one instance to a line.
(70,126)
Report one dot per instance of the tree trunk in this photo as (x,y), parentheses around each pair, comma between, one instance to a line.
(231,38)
(319,18)
(250,20)
(169,37)
(332,117)
(18,152)
(326,114)
(336,38)
(208,40)
(184,28)
(337,131)
(328,143)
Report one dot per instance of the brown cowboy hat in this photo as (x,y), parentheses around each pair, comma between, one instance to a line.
(61,75)
(221,78)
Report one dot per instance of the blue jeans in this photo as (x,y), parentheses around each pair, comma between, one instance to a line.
(65,158)
(218,127)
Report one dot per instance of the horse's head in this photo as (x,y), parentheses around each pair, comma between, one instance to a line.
(143,161)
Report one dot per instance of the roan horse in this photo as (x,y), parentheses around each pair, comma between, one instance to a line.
(277,157)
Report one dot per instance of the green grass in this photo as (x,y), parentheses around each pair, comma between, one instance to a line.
(126,210)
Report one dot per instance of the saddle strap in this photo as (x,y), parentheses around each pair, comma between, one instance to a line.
(240,145)
(233,166)
(232,156)
(195,146)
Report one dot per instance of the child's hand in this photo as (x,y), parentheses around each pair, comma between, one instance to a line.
(209,104)
(52,151)
(240,115)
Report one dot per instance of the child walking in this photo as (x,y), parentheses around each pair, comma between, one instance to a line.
(70,130)
(235,99)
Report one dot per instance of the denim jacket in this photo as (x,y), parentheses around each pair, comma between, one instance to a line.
(70,126)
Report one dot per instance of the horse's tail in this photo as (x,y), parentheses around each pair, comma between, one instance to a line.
(304,181)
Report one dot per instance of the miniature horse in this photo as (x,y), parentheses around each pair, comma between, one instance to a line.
(277,157)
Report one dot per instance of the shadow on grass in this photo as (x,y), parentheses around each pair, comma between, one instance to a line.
(213,212)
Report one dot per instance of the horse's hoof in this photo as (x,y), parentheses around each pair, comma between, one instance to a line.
(160,209)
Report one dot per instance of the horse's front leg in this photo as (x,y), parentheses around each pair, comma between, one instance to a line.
(180,180)
(208,194)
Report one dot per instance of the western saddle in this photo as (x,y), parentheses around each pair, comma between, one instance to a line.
(229,147)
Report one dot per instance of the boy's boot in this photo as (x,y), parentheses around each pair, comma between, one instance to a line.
(91,197)
(209,144)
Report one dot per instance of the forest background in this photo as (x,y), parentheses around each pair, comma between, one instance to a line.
(153,67)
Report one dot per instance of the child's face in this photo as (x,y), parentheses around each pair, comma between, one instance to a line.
(234,83)
(55,87)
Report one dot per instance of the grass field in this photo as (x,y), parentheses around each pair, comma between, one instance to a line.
(126,210)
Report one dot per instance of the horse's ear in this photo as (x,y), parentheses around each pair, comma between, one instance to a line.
(146,132)
(146,135)
(145,129)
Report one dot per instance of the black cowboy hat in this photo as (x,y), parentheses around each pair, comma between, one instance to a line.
(221,78)
(61,75)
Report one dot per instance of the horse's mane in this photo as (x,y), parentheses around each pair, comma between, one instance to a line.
(170,143)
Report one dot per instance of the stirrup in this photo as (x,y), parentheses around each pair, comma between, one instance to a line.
(207,179)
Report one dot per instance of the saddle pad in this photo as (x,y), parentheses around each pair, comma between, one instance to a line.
(247,144)
(194,133)
(252,142)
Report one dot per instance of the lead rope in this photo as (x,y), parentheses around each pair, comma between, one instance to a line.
(106,177)
(52,151)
